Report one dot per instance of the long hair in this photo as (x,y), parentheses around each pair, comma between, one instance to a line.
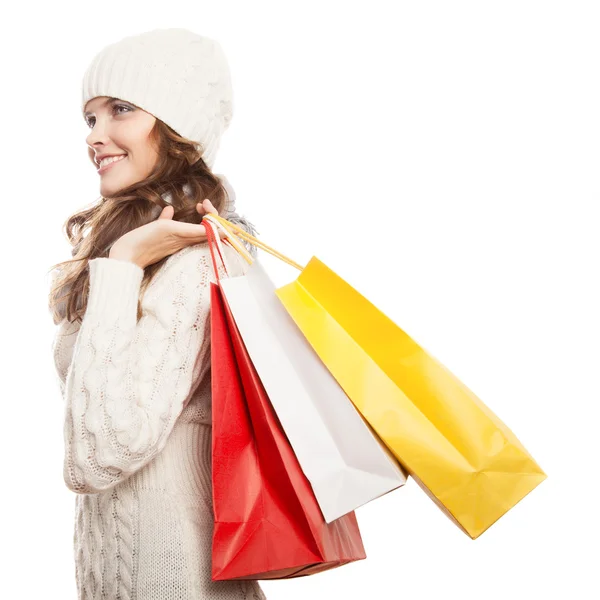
(92,231)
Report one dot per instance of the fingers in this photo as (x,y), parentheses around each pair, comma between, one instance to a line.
(167,212)
(221,233)
(196,233)
(206,206)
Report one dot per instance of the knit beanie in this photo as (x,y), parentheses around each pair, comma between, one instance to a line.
(178,76)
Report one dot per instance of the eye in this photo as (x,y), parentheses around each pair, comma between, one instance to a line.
(115,108)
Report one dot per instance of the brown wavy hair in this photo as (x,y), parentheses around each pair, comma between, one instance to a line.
(179,162)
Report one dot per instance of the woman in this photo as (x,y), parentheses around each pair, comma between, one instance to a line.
(132,349)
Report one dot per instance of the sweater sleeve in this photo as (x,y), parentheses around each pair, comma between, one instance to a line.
(128,382)
(62,350)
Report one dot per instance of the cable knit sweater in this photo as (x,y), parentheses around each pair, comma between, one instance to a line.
(137,432)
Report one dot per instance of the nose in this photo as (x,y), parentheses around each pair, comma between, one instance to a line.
(98,135)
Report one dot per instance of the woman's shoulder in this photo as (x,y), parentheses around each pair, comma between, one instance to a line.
(197,261)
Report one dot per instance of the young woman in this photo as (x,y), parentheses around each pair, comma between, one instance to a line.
(132,348)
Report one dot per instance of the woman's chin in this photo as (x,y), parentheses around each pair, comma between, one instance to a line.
(109,187)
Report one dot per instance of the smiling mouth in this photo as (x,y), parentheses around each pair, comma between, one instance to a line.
(110,164)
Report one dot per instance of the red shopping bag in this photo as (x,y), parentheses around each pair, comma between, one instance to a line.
(268,524)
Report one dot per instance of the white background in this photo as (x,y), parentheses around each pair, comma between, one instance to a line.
(443,158)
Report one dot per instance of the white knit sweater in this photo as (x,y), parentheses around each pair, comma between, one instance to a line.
(137,432)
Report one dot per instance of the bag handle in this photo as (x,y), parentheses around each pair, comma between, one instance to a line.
(230,227)
(214,241)
(232,240)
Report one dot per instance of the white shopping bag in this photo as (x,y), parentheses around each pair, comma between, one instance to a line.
(341,456)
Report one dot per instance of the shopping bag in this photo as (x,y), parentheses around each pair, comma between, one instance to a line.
(267,522)
(345,462)
(469,462)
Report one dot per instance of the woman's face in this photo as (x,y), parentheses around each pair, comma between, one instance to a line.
(121,128)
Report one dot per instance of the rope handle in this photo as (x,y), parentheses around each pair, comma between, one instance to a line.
(215,242)
(230,228)
(231,239)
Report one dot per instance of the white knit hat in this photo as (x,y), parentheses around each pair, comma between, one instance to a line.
(178,76)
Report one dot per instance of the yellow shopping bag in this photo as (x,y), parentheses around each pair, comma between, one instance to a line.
(451,443)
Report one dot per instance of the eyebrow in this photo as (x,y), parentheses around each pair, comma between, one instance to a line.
(87,113)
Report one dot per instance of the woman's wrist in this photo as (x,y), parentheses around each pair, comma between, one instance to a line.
(122,252)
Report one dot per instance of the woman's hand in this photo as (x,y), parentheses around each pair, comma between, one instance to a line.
(150,243)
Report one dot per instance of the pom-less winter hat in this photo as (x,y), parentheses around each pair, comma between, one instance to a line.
(178,76)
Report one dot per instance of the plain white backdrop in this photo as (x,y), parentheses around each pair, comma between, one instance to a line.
(440,156)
